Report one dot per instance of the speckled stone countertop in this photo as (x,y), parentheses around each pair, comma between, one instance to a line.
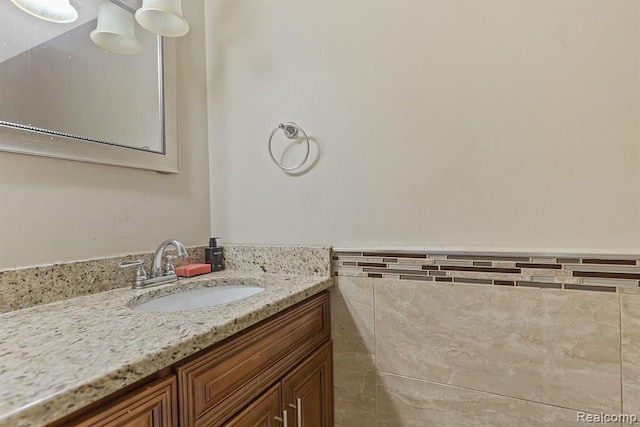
(59,357)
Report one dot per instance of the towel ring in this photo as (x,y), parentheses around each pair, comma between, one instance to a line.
(290,130)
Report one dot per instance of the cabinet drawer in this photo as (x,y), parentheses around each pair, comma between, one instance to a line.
(154,405)
(219,383)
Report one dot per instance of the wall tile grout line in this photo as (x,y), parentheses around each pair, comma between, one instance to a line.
(481,391)
(375,350)
(621,356)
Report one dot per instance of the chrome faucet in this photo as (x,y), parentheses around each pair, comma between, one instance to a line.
(160,274)
(156,267)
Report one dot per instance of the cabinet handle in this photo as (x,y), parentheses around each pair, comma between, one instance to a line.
(283,420)
(298,408)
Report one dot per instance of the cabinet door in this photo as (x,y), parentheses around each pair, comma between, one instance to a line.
(232,374)
(154,406)
(261,413)
(307,391)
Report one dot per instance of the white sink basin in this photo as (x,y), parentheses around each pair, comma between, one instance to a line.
(198,298)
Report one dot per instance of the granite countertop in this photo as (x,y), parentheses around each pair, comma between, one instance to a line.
(59,357)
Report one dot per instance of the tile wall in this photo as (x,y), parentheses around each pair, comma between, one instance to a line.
(460,339)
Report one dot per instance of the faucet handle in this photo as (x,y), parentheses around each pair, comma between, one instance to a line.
(125,264)
(141,273)
(168,268)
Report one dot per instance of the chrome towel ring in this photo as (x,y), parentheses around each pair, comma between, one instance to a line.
(290,130)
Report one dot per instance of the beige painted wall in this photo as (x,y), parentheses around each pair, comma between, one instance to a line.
(469,123)
(53,210)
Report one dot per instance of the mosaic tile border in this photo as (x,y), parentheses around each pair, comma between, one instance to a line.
(597,273)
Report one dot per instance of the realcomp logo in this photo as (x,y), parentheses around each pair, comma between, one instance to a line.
(601,418)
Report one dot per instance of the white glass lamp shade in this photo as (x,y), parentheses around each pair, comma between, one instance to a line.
(115,31)
(162,17)
(59,11)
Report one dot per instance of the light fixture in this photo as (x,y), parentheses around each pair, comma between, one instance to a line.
(163,17)
(59,11)
(115,31)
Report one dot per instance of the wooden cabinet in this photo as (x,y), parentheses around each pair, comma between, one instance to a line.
(222,381)
(154,405)
(308,391)
(264,412)
(303,397)
(248,380)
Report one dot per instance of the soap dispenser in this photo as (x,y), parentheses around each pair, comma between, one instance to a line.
(213,255)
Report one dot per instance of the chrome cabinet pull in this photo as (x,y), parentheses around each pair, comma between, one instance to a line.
(298,408)
(283,420)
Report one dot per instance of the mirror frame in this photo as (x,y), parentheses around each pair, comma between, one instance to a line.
(53,144)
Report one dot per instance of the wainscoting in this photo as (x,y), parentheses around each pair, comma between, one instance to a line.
(447,353)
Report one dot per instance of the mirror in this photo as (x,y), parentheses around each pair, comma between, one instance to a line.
(62,96)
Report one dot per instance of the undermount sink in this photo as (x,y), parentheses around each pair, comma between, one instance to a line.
(199,298)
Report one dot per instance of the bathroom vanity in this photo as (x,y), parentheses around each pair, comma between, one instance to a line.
(262,360)
(280,368)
